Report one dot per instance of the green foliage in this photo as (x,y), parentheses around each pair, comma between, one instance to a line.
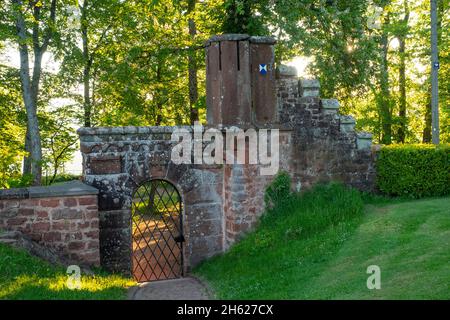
(279,191)
(414,170)
(59,140)
(11,129)
(240,17)
(62,177)
(139,53)
(19,181)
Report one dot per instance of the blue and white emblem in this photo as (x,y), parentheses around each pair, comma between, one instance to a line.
(263,69)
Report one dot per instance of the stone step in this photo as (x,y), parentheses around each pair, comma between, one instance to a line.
(347,123)
(309,87)
(8,241)
(364,140)
(10,235)
(330,106)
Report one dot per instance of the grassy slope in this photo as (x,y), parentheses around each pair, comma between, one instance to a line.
(409,241)
(26,277)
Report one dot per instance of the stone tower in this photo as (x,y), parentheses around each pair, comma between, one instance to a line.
(240,80)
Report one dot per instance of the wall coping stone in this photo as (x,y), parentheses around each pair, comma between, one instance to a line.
(229,37)
(70,188)
(331,104)
(262,39)
(241,37)
(84,131)
(364,135)
(107,131)
(286,71)
(309,87)
(347,120)
(14,193)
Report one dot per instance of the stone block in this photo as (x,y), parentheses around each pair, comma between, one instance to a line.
(49,203)
(115,219)
(347,124)
(76,245)
(70,202)
(206,211)
(65,213)
(41,226)
(105,165)
(364,140)
(330,106)
(87,201)
(286,71)
(309,87)
(26,212)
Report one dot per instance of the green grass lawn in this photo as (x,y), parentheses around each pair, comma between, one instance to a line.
(25,277)
(316,246)
(296,255)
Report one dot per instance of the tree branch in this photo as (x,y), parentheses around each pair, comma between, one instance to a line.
(49,31)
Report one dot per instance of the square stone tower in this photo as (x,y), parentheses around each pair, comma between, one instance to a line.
(240,80)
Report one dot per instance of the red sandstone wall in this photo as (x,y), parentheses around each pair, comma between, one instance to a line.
(68,224)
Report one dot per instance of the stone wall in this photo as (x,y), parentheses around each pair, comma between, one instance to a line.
(62,217)
(325,145)
(117,160)
(223,202)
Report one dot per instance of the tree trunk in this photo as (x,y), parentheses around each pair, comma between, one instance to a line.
(402,89)
(158,116)
(26,169)
(384,103)
(29,94)
(427,134)
(192,67)
(434,74)
(32,120)
(87,63)
(426,137)
(402,77)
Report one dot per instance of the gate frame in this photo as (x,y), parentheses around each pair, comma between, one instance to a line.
(182,223)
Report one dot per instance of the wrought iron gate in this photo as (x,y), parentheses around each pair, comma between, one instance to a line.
(157,232)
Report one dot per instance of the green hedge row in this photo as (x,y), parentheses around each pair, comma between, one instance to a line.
(414,170)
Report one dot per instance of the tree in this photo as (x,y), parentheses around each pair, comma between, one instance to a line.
(384,96)
(59,139)
(434,74)
(12,130)
(401,36)
(34,25)
(192,65)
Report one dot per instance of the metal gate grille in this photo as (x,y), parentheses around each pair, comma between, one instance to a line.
(157,232)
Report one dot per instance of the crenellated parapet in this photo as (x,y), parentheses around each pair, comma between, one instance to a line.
(325,144)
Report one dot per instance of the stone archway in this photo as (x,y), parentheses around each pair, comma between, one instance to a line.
(118,160)
(222,202)
(157,231)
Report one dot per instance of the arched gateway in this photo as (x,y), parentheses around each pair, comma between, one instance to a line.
(148,204)
(157,231)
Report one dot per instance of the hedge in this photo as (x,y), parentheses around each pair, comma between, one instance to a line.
(414,170)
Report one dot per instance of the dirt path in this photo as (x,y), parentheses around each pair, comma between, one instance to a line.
(188,288)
